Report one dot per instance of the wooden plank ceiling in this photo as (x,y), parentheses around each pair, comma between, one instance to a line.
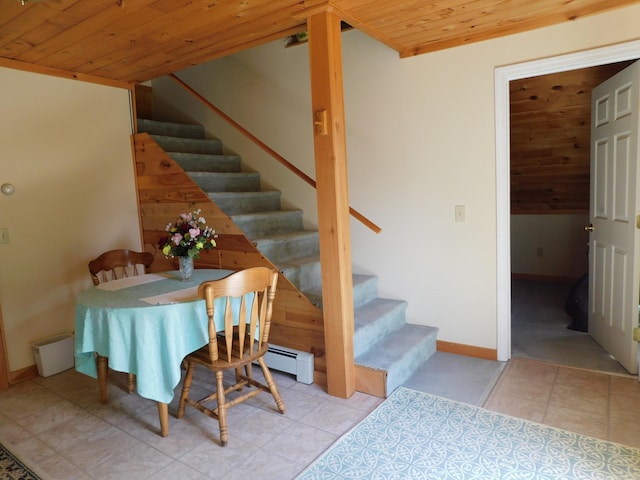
(138,40)
(550,140)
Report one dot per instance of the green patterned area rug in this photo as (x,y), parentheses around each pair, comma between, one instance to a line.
(418,436)
(12,468)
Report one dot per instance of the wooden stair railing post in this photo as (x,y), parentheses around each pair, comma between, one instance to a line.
(327,99)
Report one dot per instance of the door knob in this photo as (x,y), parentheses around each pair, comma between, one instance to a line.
(589,228)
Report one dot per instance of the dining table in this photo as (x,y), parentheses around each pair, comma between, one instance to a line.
(144,325)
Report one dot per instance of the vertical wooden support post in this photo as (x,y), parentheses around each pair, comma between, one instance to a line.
(327,98)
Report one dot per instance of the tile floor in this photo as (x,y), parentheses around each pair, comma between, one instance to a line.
(592,403)
(57,425)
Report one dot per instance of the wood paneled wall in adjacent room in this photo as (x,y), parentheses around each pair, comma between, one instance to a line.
(550,140)
(165,191)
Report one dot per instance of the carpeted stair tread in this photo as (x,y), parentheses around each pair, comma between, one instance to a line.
(283,247)
(303,272)
(170,129)
(261,224)
(189,145)
(212,182)
(364,290)
(400,353)
(375,320)
(206,162)
(234,203)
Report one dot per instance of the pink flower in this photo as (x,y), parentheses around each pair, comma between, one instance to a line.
(194,232)
(176,238)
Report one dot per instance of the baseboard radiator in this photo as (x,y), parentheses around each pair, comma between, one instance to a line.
(291,361)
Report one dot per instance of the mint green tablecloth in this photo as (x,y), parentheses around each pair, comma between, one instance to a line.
(141,338)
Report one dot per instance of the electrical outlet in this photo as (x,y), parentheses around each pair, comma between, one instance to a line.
(4,235)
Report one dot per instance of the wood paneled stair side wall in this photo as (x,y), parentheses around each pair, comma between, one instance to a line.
(165,191)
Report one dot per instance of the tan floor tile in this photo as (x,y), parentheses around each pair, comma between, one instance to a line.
(517,407)
(584,399)
(628,386)
(583,379)
(533,389)
(625,431)
(571,419)
(623,407)
(532,370)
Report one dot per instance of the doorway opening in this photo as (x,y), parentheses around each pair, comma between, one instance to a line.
(550,138)
(503,77)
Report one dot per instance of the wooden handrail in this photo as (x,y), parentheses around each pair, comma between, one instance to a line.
(268,149)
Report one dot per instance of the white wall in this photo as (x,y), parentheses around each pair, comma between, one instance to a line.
(65,146)
(420,140)
(550,245)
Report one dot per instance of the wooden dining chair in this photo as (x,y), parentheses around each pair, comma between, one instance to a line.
(113,265)
(245,303)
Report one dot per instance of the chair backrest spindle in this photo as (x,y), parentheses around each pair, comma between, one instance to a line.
(252,289)
(115,264)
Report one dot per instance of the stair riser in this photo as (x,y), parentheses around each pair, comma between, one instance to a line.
(189,145)
(365,289)
(280,252)
(226,182)
(370,331)
(170,129)
(198,162)
(303,276)
(235,203)
(264,224)
(410,361)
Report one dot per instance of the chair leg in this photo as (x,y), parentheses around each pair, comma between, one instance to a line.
(273,388)
(101,364)
(222,409)
(131,382)
(185,389)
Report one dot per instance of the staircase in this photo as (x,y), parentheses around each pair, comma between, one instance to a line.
(384,343)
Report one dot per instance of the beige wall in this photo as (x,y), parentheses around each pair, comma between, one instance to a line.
(421,139)
(550,245)
(65,146)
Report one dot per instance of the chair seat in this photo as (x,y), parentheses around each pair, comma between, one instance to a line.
(201,356)
(246,305)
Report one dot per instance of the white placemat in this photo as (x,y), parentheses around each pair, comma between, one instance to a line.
(179,296)
(131,281)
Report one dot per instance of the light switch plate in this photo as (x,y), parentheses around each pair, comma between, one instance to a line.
(460,213)
(4,235)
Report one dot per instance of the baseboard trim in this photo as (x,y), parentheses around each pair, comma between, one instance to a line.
(23,374)
(467,350)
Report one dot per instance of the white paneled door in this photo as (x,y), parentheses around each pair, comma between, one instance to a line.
(614,270)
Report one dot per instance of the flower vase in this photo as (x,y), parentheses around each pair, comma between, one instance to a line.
(186,267)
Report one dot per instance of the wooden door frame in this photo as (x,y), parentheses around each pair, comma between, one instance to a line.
(503,75)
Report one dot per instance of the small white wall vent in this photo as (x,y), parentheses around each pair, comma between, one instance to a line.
(291,361)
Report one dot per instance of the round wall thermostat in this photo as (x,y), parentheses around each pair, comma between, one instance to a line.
(7,189)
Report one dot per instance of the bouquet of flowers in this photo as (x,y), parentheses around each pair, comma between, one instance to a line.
(188,236)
